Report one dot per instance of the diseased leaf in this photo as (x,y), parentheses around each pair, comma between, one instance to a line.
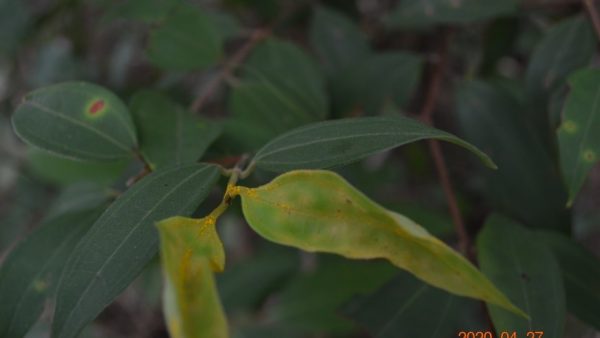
(421,13)
(31,272)
(281,88)
(62,171)
(524,268)
(123,240)
(190,251)
(339,142)
(398,310)
(566,46)
(527,184)
(578,134)
(311,301)
(581,276)
(318,210)
(78,120)
(187,40)
(169,135)
(337,40)
(377,81)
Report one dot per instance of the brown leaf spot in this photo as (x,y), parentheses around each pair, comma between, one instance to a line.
(96,106)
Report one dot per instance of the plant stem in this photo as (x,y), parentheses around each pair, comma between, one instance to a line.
(593,13)
(228,68)
(431,100)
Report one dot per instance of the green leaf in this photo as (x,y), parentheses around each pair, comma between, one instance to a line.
(64,171)
(398,310)
(30,273)
(311,301)
(187,40)
(567,46)
(581,276)
(123,240)
(281,88)
(422,13)
(527,186)
(578,134)
(79,197)
(339,142)
(337,40)
(524,268)
(78,120)
(380,79)
(264,271)
(169,135)
(318,210)
(190,251)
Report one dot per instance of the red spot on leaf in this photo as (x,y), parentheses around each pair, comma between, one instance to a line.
(96,106)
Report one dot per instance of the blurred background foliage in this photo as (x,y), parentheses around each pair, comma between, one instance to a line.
(503,89)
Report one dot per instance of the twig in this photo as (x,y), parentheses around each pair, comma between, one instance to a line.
(593,13)
(431,100)
(228,68)
(143,172)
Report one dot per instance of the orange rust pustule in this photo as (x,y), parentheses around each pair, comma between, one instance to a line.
(96,107)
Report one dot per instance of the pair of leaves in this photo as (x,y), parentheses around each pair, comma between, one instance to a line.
(87,122)
(76,120)
(518,262)
(123,240)
(168,134)
(30,274)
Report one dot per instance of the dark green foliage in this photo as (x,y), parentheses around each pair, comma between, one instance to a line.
(132,111)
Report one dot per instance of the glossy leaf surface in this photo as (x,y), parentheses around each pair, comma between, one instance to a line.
(123,240)
(419,13)
(524,268)
(578,134)
(190,251)
(581,276)
(186,40)
(77,120)
(318,210)
(169,135)
(31,272)
(339,142)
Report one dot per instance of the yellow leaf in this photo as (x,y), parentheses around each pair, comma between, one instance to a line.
(190,251)
(317,210)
